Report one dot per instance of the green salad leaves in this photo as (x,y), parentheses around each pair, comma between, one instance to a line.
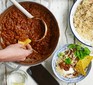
(68,61)
(80,52)
(74,49)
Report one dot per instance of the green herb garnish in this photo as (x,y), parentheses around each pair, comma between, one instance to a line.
(87,51)
(68,61)
(80,52)
(71,46)
(60,54)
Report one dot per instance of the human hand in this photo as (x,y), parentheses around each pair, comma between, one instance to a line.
(16,52)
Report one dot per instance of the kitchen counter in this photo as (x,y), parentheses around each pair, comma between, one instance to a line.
(60,9)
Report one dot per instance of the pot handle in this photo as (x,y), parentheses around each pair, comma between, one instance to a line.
(74,1)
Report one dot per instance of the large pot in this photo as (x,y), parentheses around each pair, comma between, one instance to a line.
(53,29)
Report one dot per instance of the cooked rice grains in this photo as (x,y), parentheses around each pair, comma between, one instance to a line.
(83,20)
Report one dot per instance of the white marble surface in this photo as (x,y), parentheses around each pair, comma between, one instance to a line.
(60,9)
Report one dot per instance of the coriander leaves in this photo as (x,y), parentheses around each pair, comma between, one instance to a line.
(80,52)
(68,61)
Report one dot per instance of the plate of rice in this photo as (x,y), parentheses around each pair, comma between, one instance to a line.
(81,21)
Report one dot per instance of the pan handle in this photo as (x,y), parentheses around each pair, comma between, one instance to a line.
(74,1)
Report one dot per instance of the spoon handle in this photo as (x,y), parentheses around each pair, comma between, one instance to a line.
(23,10)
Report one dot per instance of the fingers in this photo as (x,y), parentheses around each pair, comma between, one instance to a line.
(23,59)
(29,47)
(26,48)
(17,45)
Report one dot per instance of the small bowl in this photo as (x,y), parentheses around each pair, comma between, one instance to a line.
(17,77)
(67,80)
(72,13)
